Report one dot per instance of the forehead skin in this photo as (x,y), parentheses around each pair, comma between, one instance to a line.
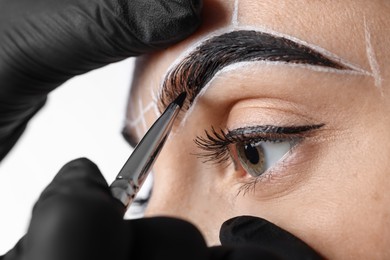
(349,217)
(337,26)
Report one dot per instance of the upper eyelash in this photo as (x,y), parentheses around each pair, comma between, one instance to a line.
(215,145)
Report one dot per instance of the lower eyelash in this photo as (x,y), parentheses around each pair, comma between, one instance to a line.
(249,185)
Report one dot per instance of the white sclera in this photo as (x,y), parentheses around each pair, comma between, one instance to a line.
(274,152)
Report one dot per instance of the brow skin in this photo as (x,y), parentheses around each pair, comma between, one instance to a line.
(201,65)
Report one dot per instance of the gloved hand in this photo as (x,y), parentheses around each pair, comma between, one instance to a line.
(43,43)
(77,218)
(249,230)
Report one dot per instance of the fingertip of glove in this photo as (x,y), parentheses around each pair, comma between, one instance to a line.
(158,24)
(250,230)
(184,21)
(174,228)
(240,229)
(81,168)
(242,252)
(81,164)
(197,6)
(165,234)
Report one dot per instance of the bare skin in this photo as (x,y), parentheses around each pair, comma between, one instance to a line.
(330,190)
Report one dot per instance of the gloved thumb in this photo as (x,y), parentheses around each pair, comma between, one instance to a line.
(249,230)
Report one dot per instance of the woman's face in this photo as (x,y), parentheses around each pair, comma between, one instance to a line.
(300,91)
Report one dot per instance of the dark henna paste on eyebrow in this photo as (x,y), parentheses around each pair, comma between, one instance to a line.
(200,66)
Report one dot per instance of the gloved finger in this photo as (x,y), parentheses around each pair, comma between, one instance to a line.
(158,24)
(75,215)
(244,252)
(13,124)
(249,230)
(166,238)
(43,43)
(51,41)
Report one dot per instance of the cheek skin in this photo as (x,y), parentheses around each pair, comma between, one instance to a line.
(342,210)
(185,187)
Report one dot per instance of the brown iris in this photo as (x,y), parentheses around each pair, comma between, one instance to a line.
(252,158)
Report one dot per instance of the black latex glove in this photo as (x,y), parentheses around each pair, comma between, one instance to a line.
(77,218)
(43,43)
(249,230)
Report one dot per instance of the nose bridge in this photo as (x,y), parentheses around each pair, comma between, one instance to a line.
(182,197)
(187,188)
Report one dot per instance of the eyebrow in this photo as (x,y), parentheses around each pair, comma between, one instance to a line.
(202,64)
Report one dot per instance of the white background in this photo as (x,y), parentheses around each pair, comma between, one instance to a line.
(83,118)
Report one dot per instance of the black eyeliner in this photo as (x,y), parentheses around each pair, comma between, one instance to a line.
(271,129)
(215,143)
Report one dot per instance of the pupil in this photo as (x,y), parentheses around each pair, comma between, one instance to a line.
(251,154)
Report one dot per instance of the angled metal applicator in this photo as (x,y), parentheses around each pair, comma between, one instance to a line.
(136,169)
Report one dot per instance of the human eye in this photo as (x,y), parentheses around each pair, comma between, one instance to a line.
(255,150)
